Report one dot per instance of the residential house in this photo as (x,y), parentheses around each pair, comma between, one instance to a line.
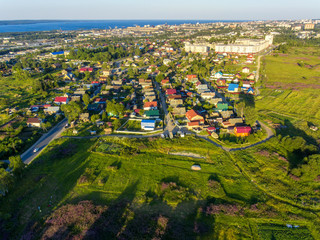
(34,122)
(221,106)
(166,83)
(148,125)
(242,131)
(250,91)
(233,88)
(116,82)
(246,84)
(175,102)
(84,117)
(75,98)
(61,100)
(95,107)
(103,79)
(174,96)
(86,69)
(221,83)
(202,88)
(251,76)
(238,75)
(207,95)
(151,114)
(106,73)
(52,110)
(193,125)
(179,111)
(192,78)
(150,105)
(226,114)
(235,121)
(217,75)
(56,65)
(193,116)
(245,70)
(171,91)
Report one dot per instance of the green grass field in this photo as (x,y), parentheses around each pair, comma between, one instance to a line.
(147,192)
(292,88)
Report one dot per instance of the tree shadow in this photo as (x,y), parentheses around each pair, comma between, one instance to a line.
(296,149)
(50,190)
(248,99)
(111,222)
(288,129)
(117,164)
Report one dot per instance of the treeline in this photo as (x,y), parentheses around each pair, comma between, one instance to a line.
(38,35)
(291,40)
(104,54)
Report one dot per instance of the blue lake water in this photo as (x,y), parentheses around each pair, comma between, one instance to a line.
(92,24)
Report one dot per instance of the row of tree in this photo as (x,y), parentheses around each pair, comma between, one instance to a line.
(7,178)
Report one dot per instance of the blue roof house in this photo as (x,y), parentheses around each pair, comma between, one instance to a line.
(233,88)
(57,53)
(250,91)
(148,125)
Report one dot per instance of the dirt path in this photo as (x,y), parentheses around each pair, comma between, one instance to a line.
(186,154)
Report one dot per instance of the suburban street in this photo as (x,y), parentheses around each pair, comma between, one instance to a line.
(28,156)
(170,127)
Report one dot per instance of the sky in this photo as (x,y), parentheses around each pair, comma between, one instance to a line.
(161,9)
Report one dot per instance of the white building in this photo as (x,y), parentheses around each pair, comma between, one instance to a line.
(245,46)
(196,48)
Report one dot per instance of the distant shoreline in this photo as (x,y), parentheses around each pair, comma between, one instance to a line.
(15,26)
(18,22)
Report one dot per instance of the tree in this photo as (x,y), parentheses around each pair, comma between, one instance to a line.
(86,99)
(240,108)
(5,181)
(104,116)
(116,124)
(250,115)
(159,77)
(16,165)
(95,117)
(71,110)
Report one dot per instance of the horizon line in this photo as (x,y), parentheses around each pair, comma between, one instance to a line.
(158,19)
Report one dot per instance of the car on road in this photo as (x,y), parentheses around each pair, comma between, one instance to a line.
(35,150)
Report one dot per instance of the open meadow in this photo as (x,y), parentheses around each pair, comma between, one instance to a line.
(126,188)
(291,88)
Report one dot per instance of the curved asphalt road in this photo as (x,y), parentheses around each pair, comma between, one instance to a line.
(28,156)
(270,134)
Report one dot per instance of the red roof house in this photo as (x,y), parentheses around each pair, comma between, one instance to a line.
(171,91)
(193,116)
(150,105)
(61,100)
(34,122)
(242,131)
(86,69)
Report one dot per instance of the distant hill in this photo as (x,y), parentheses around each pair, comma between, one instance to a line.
(18,22)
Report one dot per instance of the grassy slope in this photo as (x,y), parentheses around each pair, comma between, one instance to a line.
(292,91)
(52,179)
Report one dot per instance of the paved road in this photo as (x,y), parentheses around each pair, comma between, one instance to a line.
(28,156)
(268,130)
(270,134)
(170,127)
